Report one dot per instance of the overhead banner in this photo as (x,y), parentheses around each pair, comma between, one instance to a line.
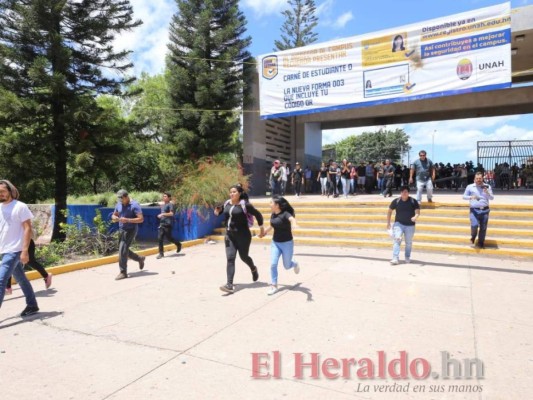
(462,53)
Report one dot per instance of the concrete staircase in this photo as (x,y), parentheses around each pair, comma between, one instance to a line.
(442,227)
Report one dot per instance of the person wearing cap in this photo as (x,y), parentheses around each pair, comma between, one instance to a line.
(297,179)
(15,237)
(128,214)
(275,177)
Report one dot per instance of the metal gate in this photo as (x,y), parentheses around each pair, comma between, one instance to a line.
(499,152)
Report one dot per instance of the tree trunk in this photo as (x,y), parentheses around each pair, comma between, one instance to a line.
(61,190)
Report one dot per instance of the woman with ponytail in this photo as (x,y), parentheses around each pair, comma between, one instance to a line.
(282,221)
(238,236)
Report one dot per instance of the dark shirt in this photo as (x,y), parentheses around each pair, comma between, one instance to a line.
(405,210)
(345,172)
(130,210)
(387,170)
(323,172)
(298,174)
(166,208)
(282,227)
(235,220)
(332,171)
(423,169)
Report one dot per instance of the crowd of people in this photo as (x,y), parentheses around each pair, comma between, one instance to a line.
(17,247)
(340,179)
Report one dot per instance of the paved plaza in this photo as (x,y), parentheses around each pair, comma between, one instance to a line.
(168,332)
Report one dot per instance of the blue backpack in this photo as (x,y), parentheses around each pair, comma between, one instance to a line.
(249,217)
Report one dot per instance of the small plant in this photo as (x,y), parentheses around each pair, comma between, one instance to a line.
(81,240)
(50,254)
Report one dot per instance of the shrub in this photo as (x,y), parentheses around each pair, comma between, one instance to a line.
(50,254)
(81,239)
(206,182)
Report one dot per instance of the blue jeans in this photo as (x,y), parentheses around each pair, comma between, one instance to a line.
(345,185)
(11,265)
(277,249)
(408,231)
(479,219)
(428,184)
(275,186)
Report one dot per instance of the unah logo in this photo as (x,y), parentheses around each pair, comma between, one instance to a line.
(270,67)
(464,69)
(485,66)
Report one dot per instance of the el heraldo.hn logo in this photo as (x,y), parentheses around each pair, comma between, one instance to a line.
(270,67)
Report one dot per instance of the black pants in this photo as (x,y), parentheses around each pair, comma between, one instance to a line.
(298,187)
(33,263)
(237,242)
(387,182)
(333,188)
(125,240)
(165,231)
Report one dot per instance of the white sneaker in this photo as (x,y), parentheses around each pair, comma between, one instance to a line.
(394,261)
(408,261)
(273,290)
(296,268)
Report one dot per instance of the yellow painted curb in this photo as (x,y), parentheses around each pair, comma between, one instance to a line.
(96,262)
(421,246)
(384,204)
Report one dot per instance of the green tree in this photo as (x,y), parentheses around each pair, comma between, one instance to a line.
(374,146)
(299,25)
(206,78)
(151,108)
(52,53)
(22,162)
(103,155)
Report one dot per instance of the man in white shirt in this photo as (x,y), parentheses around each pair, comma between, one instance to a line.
(15,236)
(283,178)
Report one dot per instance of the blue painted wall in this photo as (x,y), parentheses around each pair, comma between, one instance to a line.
(188,224)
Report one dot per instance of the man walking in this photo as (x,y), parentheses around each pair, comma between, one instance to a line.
(297,179)
(15,236)
(478,193)
(407,212)
(275,178)
(283,178)
(128,214)
(388,178)
(424,171)
(166,218)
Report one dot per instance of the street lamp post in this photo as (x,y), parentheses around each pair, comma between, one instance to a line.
(433,145)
